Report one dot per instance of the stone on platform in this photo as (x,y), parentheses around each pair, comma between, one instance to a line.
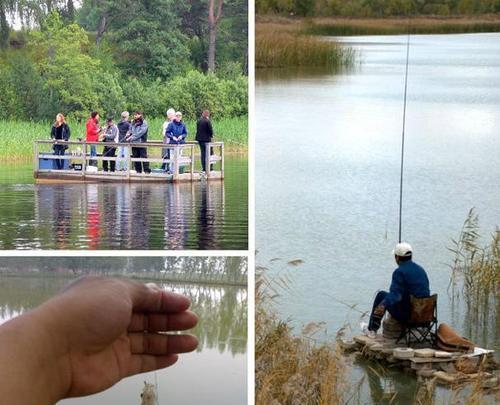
(403,353)
(425,353)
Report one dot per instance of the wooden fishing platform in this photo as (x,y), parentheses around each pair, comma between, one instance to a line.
(80,167)
(446,367)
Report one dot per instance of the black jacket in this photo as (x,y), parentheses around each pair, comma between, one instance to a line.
(204,131)
(123,128)
(63,136)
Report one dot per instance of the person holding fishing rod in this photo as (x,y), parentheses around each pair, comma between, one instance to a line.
(110,135)
(408,279)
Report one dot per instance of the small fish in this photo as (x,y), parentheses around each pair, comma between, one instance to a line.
(148,395)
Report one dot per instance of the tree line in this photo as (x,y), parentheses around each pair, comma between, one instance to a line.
(376,8)
(109,55)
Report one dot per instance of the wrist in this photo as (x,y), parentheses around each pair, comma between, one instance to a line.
(34,358)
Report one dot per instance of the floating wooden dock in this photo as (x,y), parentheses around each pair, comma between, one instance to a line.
(446,367)
(80,166)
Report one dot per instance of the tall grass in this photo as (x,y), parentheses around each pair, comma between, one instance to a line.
(292,369)
(16,137)
(475,276)
(284,45)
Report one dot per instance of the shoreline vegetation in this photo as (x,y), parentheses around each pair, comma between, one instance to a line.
(285,44)
(343,26)
(16,137)
(289,42)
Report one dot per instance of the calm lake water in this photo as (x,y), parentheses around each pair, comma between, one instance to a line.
(214,374)
(327,169)
(201,215)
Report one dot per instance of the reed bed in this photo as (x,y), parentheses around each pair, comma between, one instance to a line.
(293,369)
(16,137)
(475,277)
(285,45)
(397,26)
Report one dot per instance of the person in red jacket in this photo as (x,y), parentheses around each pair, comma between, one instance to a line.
(93,131)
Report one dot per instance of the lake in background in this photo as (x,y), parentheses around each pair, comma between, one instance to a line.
(216,373)
(204,215)
(327,169)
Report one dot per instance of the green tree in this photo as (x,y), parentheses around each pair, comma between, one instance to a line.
(68,71)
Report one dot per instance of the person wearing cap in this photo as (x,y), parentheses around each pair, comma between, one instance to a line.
(139,134)
(408,279)
(204,134)
(123,130)
(176,132)
(110,135)
(166,140)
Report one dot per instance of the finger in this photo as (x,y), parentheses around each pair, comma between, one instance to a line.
(161,344)
(162,322)
(142,363)
(151,298)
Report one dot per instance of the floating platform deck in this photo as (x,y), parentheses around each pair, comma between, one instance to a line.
(78,165)
(446,367)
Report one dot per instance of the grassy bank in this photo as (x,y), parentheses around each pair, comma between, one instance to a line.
(16,137)
(386,26)
(285,45)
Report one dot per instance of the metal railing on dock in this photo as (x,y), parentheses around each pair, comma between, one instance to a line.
(178,162)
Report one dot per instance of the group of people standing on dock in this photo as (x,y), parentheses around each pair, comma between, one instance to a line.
(134,132)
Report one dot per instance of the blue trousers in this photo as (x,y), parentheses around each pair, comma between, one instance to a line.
(59,150)
(396,312)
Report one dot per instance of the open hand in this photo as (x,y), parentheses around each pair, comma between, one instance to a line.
(105,329)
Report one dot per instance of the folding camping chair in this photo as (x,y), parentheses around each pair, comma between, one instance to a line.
(422,323)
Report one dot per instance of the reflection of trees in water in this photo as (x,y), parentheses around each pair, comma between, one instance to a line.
(222,310)
(19,294)
(222,313)
(221,270)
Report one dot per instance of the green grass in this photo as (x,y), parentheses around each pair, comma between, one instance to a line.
(16,137)
(284,45)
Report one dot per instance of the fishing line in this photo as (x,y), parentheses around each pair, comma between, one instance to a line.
(403,133)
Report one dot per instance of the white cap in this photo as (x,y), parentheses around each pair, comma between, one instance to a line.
(402,249)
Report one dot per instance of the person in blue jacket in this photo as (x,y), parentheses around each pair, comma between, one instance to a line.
(408,279)
(176,133)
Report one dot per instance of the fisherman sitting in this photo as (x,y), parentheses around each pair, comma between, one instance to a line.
(408,279)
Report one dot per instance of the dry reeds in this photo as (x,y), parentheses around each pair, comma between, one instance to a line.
(292,369)
(284,45)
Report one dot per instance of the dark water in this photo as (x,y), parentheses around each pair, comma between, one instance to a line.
(327,169)
(201,215)
(214,374)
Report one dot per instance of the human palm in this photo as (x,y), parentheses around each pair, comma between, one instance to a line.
(113,328)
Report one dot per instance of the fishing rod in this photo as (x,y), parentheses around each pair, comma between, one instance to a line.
(403,133)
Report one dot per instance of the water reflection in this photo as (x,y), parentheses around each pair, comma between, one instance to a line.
(198,215)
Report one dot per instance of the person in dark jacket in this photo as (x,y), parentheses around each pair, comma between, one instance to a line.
(110,137)
(139,134)
(408,279)
(60,132)
(176,134)
(123,130)
(204,135)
